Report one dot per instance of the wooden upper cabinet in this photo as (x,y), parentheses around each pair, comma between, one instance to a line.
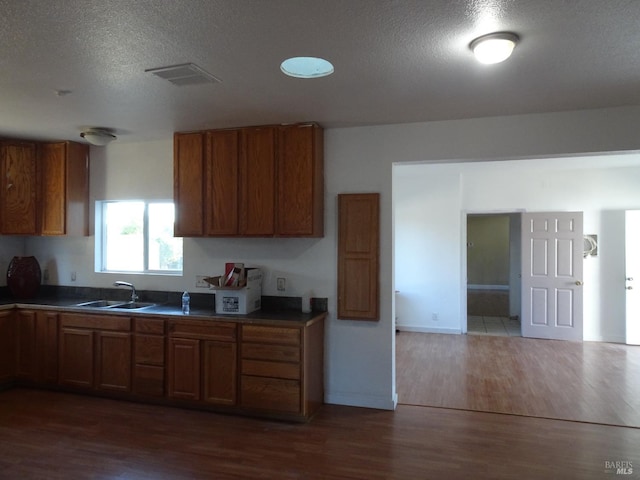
(300,196)
(222,182)
(64,189)
(18,188)
(358,256)
(257,181)
(188,184)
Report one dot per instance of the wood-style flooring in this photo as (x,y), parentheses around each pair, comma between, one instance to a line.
(577,381)
(48,435)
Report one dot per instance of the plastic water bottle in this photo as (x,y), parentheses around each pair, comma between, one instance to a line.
(185,303)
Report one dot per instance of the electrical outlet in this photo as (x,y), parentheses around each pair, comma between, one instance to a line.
(434,317)
(200,281)
(281,284)
(73,276)
(45,275)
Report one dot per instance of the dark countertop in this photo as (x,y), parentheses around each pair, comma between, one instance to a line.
(165,310)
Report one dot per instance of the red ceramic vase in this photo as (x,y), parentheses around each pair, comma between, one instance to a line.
(23,277)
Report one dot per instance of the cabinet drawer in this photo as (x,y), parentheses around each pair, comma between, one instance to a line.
(273,394)
(260,368)
(149,325)
(203,330)
(278,335)
(96,322)
(278,353)
(149,349)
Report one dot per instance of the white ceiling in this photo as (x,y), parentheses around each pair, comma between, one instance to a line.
(395,61)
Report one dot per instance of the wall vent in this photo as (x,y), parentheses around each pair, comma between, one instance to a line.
(184,74)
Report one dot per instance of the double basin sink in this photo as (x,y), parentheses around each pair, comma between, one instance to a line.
(114,304)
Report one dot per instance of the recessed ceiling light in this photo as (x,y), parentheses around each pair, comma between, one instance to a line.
(495,47)
(306,67)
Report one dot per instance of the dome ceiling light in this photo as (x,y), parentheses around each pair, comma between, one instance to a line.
(495,47)
(98,136)
(306,67)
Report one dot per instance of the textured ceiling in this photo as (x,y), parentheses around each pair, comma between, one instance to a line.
(396,61)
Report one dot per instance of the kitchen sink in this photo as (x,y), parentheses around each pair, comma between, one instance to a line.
(132,305)
(115,304)
(99,304)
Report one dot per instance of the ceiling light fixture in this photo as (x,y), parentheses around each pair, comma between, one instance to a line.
(495,47)
(98,136)
(306,67)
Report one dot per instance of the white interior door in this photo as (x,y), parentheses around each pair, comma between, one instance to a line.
(632,274)
(552,248)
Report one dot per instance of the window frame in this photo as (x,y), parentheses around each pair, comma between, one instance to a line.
(101,239)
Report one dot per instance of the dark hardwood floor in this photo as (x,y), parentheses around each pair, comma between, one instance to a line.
(579,381)
(48,435)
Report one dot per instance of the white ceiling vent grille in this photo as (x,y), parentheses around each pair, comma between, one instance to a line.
(185,74)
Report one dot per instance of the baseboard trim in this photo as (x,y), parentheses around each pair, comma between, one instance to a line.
(488,287)
(378,402)
(419,329)
(606,339)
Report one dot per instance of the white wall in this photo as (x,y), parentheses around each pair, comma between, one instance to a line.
(568,184)
(9,248)
(360,355)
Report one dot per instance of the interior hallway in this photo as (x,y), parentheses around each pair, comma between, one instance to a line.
(579,381)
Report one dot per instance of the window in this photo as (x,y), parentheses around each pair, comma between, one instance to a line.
(137,236)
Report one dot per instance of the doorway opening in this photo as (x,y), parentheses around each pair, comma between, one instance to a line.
(493,274)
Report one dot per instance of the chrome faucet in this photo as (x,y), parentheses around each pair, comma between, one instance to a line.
(120,283)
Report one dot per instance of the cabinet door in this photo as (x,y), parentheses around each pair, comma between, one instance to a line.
(300,200)
(47,347)
(7,346)
(188,184)
(53,188)
(257,181)
(75,357)
(114,361)
(358,253)
(26,332)
(18,186)
(184,368)
(64,191)
(220,360)
(221,173)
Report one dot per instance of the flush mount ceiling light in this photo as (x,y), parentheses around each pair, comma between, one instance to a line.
(98,136)
(306,67)
(495,47)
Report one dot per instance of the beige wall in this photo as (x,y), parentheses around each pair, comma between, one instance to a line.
(488,250)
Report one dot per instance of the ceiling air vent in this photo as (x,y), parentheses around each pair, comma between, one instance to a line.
(185,74)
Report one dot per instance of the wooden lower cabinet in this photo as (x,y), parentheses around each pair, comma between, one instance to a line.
(113,361)
(264,368)
(7,346)
(149,357)
(37,346)
(95,352)
(184,368)
(219,372)
(202,361)
(281,368)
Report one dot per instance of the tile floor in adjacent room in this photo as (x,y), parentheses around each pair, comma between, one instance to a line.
(497,326)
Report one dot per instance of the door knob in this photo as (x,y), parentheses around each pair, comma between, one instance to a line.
(578,282)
